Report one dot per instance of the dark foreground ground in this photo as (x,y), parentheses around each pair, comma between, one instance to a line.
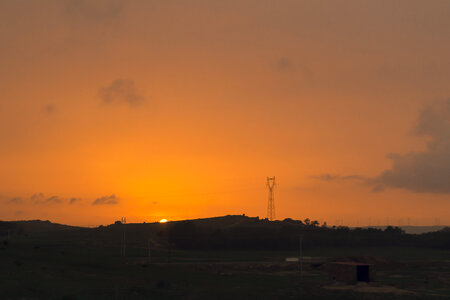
(58,269)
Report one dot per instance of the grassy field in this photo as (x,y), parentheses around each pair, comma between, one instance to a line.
(48,268)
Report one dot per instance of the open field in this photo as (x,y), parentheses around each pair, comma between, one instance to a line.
(48,268)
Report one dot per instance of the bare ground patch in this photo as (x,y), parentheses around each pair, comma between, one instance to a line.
(365,288)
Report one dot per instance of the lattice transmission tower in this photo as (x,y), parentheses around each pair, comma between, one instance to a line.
(271,204)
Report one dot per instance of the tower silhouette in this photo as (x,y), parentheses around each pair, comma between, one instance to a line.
(271,204)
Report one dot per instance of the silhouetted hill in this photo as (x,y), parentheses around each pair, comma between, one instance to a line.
(235,232)
(413,229)
(34,226)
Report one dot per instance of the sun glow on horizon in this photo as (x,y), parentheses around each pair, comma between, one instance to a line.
(163,221)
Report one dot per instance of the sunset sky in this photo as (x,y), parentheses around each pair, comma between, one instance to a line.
(181,109)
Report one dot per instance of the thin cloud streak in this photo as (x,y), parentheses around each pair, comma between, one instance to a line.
(337,177)
(73,200)
(106,200)
(15,200)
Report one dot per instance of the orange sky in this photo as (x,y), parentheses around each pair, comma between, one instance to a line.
(180,109)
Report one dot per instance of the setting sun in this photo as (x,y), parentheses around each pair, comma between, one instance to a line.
(163,221)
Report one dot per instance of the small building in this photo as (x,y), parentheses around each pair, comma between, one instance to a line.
(351,272)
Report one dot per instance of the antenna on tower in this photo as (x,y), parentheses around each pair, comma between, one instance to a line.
(271,204)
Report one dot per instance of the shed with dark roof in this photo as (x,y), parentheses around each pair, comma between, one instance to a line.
(351,272)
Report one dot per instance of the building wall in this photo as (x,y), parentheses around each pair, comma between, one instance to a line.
(347,272)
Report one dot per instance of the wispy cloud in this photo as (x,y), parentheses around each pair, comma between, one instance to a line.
(41,199)
(284,63)
(52,199)
(49,109)
(287,66)
(37,197)
(15,200)
(420,172)
(106,200)
(121,90)
(427,171)
(73,200)
(337,177)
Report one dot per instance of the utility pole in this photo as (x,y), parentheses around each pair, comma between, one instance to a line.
(124,237)
(300,255)
(149,252)
(169,254)
(271,204)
